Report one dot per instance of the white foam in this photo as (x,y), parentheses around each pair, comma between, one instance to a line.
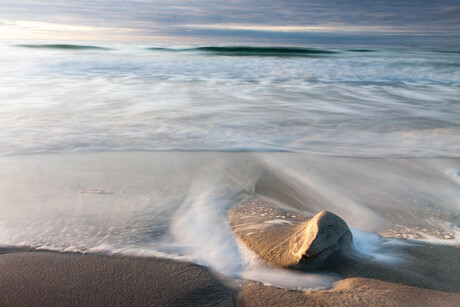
(290,279)
(200,224)
(371,245)
(454,175)
(451,230)
(205,234)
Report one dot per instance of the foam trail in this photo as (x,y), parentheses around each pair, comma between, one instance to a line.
(316,195)
(375,195)
(291,279)
(372,246)
(200,224)
(204,232)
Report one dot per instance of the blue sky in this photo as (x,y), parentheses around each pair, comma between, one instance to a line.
(269,21)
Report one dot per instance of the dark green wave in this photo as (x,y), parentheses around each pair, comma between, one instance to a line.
(362,50)
(64,47)
(252,51)
(265,50)
(448,51)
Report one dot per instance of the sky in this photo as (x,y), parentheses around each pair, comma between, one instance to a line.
(424,22)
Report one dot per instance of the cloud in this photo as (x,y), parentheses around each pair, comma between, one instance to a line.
(336,28)
(143,19)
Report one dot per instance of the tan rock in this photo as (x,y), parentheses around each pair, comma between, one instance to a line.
(289,239)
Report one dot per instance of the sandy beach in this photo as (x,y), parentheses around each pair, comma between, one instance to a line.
(39,278)
(44,278)
(202,208)
(349,292)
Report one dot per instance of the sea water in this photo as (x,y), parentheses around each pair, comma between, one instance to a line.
(141,149)
(341,101)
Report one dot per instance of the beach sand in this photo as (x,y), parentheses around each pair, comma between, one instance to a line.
(45,278)
(349,292)
(41,194)
(42,278)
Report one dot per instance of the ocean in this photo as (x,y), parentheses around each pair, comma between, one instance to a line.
(340,101)
(141,149)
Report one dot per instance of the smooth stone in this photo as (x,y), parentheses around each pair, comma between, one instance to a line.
(289,239)
(325,237)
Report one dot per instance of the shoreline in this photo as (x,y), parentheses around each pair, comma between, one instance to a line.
(182,201)
(31,278)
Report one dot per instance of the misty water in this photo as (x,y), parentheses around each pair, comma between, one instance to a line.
(341,101)
(142,149)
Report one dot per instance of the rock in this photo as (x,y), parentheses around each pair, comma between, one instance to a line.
(289,239)
(324,237)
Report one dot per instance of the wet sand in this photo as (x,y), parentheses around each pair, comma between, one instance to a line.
(39,278)
(349,292)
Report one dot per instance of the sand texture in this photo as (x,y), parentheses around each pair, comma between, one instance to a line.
(64,279)
(356,291)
